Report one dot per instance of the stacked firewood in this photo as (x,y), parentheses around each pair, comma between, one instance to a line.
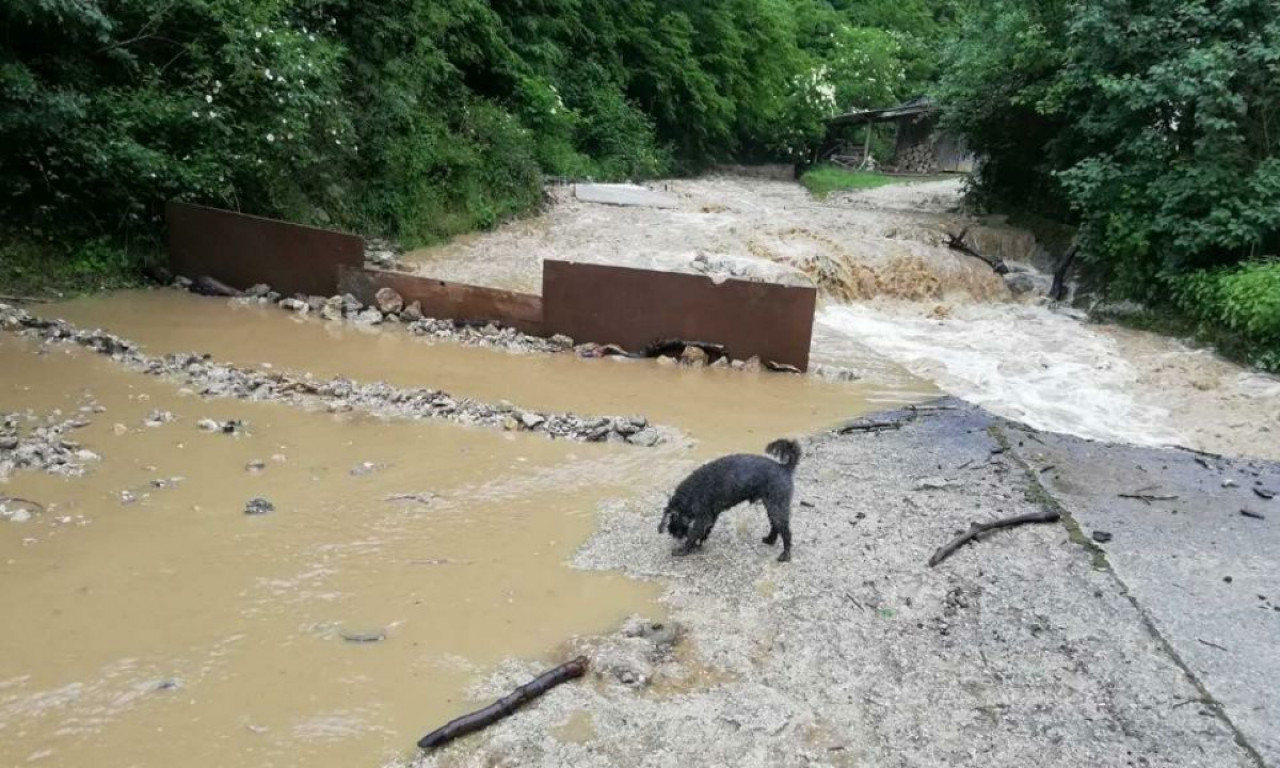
(920,158)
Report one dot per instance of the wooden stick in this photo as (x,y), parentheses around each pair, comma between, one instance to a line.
(28,502)
(1044,516)
(957,243)
(24,299)
(1147,497)
(867,426)
(506,705)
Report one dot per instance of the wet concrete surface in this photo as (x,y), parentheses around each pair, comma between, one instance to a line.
(1024,647)
(1206,575)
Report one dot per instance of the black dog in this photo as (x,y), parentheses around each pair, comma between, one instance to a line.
(728,481)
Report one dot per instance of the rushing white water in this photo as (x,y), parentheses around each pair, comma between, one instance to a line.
(1025,363)
(898,297)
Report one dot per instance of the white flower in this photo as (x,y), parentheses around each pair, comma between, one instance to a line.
(195,114)
(271,137)
(257,35)
(212,114)
(217,85)
(267,73)
(208,99)
(289,136)
(338,142)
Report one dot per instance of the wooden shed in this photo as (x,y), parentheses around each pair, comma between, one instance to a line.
(921,146)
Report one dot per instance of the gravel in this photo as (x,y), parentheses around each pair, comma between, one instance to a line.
(211,379)
(1016,651)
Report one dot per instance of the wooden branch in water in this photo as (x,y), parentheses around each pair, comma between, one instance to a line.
(975,529)
(506,705)
(28,502)
(957,243)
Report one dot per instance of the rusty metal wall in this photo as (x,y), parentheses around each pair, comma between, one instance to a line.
(454,301)
(636,307)
(241,250)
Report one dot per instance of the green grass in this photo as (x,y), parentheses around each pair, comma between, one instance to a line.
(825,179)
(56,270)
(822,180)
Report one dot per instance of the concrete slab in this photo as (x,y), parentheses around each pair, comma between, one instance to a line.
(624,194)
(1206,576)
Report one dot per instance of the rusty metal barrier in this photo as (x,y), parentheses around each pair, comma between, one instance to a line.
(636,307)
(588,302)
(241,250)
(455,301)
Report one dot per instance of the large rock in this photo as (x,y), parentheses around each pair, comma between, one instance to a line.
(694,356)
(412,313)
(1020,283)
(388,301)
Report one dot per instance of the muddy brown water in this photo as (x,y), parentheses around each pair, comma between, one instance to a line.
(176,630)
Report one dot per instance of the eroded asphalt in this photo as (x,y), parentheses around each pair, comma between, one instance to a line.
(1034,645)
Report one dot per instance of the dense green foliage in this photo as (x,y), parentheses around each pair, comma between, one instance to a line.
(411,118)
(1150,123)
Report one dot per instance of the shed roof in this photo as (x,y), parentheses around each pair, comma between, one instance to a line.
(918,106)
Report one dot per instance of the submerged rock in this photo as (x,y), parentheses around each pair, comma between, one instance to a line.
(258,506)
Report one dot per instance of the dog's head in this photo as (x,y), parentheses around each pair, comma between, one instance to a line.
(674,520)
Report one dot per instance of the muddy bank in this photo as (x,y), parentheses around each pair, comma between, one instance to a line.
(1025,647)
(209,379)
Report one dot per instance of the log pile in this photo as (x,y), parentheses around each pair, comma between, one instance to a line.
(920,158)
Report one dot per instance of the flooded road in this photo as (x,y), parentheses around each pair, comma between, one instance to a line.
(153,622)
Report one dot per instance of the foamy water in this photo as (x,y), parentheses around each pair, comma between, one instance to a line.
(1026,363)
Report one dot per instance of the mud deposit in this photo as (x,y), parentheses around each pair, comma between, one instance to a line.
(155,622)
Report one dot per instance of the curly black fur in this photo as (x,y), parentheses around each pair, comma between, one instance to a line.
(728,481)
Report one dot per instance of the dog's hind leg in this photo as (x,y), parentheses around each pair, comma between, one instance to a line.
(779,509)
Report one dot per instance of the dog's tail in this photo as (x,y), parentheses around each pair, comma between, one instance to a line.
(785,451)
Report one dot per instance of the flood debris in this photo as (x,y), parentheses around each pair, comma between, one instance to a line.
(421,498)
(1141,495)
(957,243)
(506,705)
(1255,515)
(864,425)
(258,506)
(1102,537)
(1264,493)
(229,427)
(975,529)
(209,378)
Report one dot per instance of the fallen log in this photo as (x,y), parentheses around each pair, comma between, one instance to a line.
(976,529)
(957,243)
(506,705)
(24,299)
